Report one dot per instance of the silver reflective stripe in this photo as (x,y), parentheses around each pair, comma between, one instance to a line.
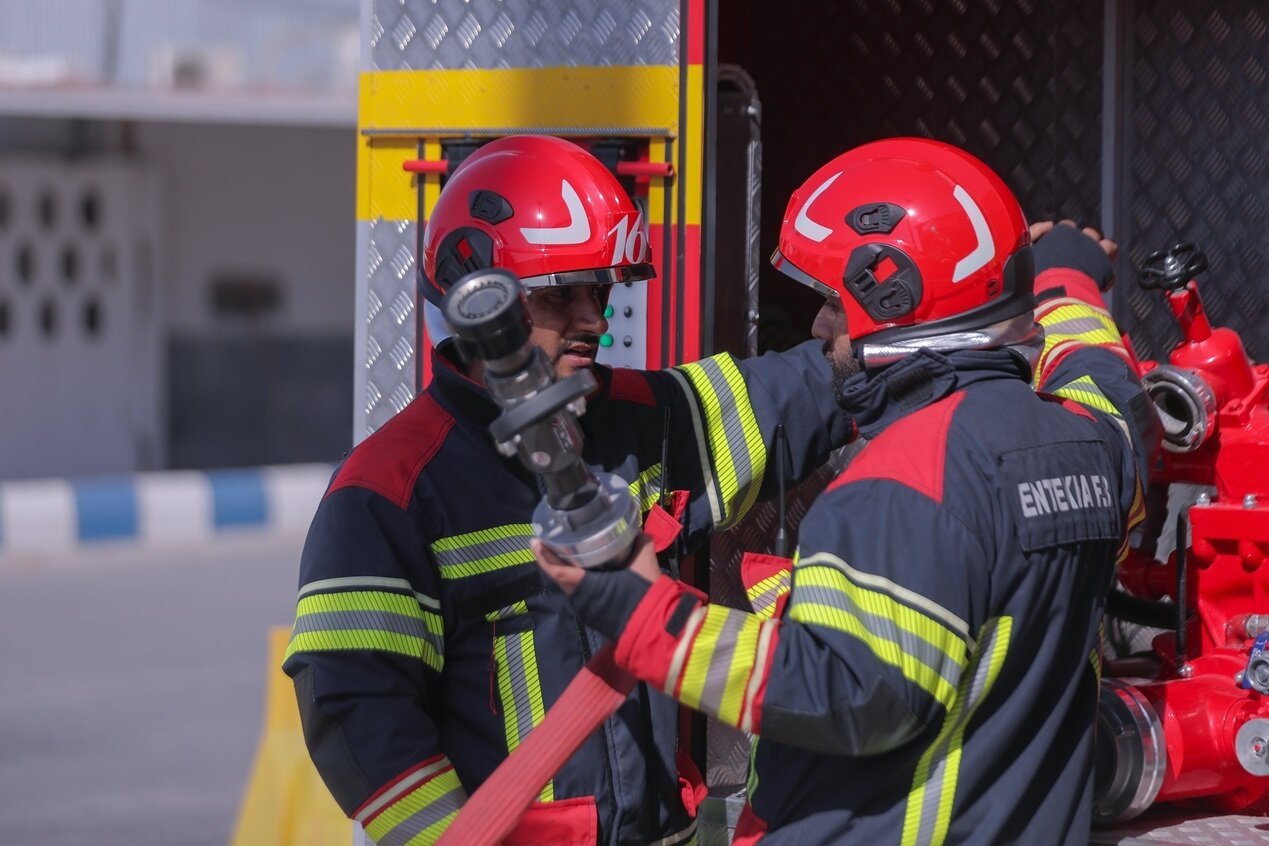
(487,549)
(424,819)
(899,592)
(679,659)
(883,628)
(711,483)
(683,838)
(519,683)
(766,642)
(484,551)
(401,788)
(733,430)
(646,489)
(720,662)
(938,792)
(382,621)
(355,582)
(768,597)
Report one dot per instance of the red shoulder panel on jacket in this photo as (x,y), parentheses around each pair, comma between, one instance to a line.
(912,451)
(390,460)
(631,386)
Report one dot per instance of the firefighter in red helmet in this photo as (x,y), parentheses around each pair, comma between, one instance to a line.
(933,676)
(427,644)
(552,214)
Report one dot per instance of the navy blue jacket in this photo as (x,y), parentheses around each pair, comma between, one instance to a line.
(427,644)
(934,676)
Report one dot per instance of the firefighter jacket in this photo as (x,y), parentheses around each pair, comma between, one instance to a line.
(934,675)
(427,644)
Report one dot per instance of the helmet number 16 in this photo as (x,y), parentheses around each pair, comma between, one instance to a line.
(629,241)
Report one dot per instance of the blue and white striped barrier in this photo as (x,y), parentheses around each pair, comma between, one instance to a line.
(179,506)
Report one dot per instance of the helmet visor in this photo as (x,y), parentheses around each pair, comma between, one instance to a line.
(600,276)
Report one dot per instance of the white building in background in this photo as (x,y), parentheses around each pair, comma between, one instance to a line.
(176,233)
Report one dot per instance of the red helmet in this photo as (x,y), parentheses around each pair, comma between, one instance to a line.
(917,238)
(541,207)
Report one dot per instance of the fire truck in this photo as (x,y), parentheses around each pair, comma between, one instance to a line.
(1146,119)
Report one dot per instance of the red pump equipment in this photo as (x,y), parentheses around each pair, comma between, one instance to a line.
(1191,721)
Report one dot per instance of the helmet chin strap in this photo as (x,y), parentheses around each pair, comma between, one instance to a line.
(1020,334)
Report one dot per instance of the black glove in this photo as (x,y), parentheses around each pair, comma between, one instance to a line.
(1066,246)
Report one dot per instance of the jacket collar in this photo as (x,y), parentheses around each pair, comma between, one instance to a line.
(881,396)
(456,390)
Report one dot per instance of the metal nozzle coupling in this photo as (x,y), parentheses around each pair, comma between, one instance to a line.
(1247,627)
(589,520)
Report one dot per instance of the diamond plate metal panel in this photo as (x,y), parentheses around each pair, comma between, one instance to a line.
(1163,827)
(423,34)
(1197,88)
(388,357)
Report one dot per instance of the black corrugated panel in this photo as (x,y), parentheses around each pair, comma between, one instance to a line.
(1197,91)
(1016,82)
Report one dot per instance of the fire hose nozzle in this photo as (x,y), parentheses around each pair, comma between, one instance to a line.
(589,519)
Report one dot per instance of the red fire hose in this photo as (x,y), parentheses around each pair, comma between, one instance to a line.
(497,805)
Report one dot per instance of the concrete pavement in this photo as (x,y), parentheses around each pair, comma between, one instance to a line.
(131,690)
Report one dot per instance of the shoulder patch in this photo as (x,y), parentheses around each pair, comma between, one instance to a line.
(390,460)
(631,386)
(1061,493)
(912,451)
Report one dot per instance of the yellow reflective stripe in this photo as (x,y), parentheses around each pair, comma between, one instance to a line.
(764,595)
(422,815)
(724,466)
(484,551)
(646,489)
(1085,391)
(929,809)
(1070,320)
(721,660)
(510,715)
(355,639)
(456,542)
(360,600)
(537,708)
(513,610)
(520,687)
(769,583)
(375,620)
(1136,514)
(735,441)
(931,655)
(753,436)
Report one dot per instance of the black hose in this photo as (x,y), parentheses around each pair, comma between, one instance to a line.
(1182,612)
(780,546)
(672,555)
(1142,612)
